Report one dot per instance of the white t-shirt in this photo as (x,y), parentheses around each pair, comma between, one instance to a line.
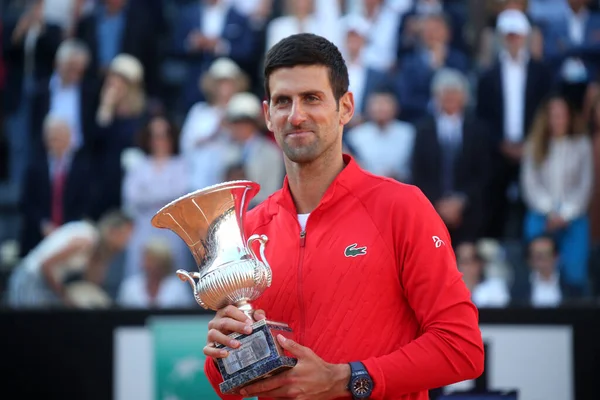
(172,293)
(302,218)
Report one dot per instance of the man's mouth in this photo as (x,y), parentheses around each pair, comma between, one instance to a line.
(298,134)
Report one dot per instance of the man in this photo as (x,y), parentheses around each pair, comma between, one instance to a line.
(57,185)
(543,286)
(450,162)
(573,35)
(364,79)
(508,96)
(363,269)
(114,27)
(382,144)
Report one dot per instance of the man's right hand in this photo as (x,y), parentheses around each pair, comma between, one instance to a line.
(228,320)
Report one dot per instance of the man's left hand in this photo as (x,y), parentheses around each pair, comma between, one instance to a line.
(311,378)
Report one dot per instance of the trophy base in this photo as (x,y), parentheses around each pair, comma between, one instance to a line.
(259,356)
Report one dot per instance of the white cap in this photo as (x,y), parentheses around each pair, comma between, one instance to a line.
(243,106)
(357,24)
(128,66)
(224,68)
(513,21)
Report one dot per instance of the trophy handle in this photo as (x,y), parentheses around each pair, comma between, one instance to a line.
(189,277)
(263,239)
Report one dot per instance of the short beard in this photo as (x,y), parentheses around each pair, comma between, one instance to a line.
(301,155)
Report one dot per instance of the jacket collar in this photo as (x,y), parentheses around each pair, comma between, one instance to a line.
(346,180)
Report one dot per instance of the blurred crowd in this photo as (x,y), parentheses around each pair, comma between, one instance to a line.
(113,108)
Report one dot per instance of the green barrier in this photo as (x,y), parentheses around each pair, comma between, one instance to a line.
(178,358)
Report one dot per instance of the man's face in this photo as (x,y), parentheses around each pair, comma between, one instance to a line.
(119,237)
(542,257)
(514,42)
(381,108)
(73,68)
(452,101)
(303,114)
(354,42)
(468,264)
(434,31)
(242,130)
(302,7)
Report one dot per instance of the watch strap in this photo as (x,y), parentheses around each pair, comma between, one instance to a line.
(357,369)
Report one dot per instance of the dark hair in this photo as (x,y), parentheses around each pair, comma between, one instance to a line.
(144,134)
(308,49)
(543,236)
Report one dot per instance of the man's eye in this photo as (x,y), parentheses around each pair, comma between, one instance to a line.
(282,101)
(312,99)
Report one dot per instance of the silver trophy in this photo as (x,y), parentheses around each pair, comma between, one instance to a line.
(211,222)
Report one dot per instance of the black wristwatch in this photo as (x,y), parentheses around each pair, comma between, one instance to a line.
(361,384)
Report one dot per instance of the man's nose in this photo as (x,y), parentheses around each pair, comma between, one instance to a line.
(297,115)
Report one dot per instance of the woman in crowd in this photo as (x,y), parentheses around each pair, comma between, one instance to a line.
(159,178)
(556,179)
(156,286)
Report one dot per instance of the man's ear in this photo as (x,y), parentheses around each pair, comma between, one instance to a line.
(267,114)
(346,108)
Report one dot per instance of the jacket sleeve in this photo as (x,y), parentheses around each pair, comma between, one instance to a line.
(577,199)
(449,348)
(535,195)
(214,377)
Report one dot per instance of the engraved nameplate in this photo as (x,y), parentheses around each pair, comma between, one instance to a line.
(252,348)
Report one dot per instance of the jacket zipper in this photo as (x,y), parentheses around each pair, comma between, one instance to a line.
(300,288)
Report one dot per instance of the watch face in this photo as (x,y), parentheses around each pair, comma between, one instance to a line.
(361,386)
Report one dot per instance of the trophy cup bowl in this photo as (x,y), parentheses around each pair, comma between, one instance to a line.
(211,223)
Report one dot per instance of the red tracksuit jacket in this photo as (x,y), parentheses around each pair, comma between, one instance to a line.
(374,279)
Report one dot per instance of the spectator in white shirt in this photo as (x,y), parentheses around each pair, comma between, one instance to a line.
(485,292)
(200,143)
(384,22)
(508,95)
(306,16)
(363,78)
(545,285)
(156,286)
(383,145)
(159,177)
